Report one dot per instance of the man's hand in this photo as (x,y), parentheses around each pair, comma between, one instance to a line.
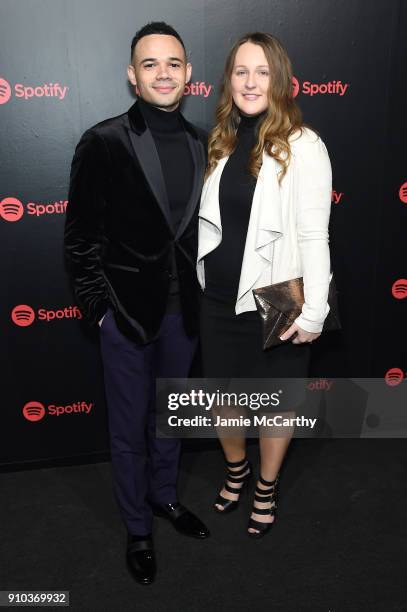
(302,335)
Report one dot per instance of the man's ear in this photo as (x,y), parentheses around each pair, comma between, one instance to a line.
(131,73)
(189,72)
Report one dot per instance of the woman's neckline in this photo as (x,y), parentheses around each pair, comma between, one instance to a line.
(250,122)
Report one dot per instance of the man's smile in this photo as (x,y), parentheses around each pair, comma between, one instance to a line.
(164,88)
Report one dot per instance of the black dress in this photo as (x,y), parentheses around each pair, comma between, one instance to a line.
(232,344)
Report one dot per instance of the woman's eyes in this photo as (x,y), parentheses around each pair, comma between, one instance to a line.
(260,72)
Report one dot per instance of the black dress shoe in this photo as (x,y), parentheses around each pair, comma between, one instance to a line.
(140,558)
(183,520)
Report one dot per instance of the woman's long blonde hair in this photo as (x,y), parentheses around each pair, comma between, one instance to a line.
(283,115)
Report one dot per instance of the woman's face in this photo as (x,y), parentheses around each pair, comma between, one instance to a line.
(250,79)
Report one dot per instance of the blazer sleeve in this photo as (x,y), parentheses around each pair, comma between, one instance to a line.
(313,211)
(84,227)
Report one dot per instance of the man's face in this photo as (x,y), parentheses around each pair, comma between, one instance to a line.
(159,70)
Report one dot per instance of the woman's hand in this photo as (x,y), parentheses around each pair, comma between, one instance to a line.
(302,335)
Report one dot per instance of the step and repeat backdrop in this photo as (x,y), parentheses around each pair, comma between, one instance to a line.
(63,68)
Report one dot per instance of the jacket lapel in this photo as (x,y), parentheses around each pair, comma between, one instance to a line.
(146,153)
(265,226)
(265,223)
(198,159)
(210,226)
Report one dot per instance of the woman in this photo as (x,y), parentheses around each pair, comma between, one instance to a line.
(263,219)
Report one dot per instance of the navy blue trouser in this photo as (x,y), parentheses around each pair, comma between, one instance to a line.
(144,467)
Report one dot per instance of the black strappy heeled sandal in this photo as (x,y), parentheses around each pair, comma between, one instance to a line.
(235,477)
(264,496)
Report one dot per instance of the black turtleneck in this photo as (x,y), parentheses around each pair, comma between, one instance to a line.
(236,189)
(177,167)
(175,156)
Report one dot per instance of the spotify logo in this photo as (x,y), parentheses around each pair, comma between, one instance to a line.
(403,193)
(399,289)
(11,209)
(296,87)
(5,91)
(34,411)
(394,377)
(308,88)
(23,315)
(28,92)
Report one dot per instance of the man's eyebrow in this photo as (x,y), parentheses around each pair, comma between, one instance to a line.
(148,59)
(153,59)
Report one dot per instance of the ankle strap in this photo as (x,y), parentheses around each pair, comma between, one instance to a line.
(264,499)
(237,475)
(236,463)
(267,483)
(266,492)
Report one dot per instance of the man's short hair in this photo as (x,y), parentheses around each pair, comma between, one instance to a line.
(155,27)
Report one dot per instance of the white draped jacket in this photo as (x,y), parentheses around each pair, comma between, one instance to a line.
(287,235)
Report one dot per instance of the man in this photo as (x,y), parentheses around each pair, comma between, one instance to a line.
(130,238)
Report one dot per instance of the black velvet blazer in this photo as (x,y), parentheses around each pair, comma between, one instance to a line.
(119,239)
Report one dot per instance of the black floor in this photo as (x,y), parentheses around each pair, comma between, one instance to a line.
(339,542)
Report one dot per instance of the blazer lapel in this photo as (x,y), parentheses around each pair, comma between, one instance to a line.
(198,159)
(146,153)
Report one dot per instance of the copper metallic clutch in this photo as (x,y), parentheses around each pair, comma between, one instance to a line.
(280,304)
